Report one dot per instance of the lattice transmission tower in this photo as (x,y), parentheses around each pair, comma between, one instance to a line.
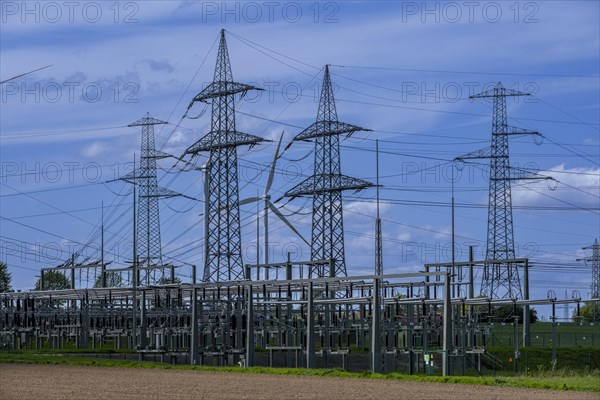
(327,182)
(501,280)
(149,246)
(223,249)
(594,261)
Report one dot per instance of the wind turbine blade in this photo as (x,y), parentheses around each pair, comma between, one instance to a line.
(26,73)
(288,223)
(248,200)
(272,173)
(242,202)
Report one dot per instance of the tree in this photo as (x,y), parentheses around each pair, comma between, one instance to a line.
(589,312)
(113,279)
(533,317)
(401,309)
(53,280)
(504,313)
(167,281)
(480,312)
(5,278)
(507,314)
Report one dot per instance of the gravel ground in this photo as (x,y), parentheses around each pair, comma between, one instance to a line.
(49,382)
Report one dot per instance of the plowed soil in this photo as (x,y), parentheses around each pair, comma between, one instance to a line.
(37,382)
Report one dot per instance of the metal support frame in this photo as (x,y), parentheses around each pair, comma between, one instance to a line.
(447,336)
(202,323)
(194,354)
(526,314)
(375,350)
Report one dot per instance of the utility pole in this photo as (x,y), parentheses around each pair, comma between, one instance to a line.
(376,361)
(206,272)
(378,238)
(447,334)
(103,267)
(134,270)
(310,328)
(194,354)
(453,241)
(249,324)
(526,316)
(471,279)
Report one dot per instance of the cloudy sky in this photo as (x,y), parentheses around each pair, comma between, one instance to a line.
(403,69)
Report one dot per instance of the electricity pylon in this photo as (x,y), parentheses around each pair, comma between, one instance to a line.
(223,252)
(501,280)
(594,261)
(327,182)
(149,246)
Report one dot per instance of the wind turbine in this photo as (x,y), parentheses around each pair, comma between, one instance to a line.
(268,205)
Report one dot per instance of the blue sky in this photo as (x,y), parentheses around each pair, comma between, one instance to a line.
(403,69)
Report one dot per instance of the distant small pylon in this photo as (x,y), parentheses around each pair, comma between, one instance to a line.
(594,261)
(149,246)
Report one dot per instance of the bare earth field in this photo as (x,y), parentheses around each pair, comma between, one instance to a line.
(19,381)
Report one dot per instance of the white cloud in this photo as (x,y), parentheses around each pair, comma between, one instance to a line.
(366,208)
(364,243)
(579,186)
(404,236)
(93,150)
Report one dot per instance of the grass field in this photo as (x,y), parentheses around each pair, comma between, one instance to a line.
(577,365)
(558,380)
(581,359)
(567,335)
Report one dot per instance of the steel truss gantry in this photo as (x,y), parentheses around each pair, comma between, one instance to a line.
(295,321)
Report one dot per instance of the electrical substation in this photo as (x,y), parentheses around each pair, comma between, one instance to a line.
(308,313)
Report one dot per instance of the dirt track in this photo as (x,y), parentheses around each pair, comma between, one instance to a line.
(65,382)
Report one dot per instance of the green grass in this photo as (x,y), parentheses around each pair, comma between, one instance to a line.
(71,349)
(69,346)
(582,359)
(558,380)
(567,335)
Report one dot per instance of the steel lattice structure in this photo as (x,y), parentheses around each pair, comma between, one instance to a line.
(223,252)
(149,246)
(327,183)
(594,261)
(500,280)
